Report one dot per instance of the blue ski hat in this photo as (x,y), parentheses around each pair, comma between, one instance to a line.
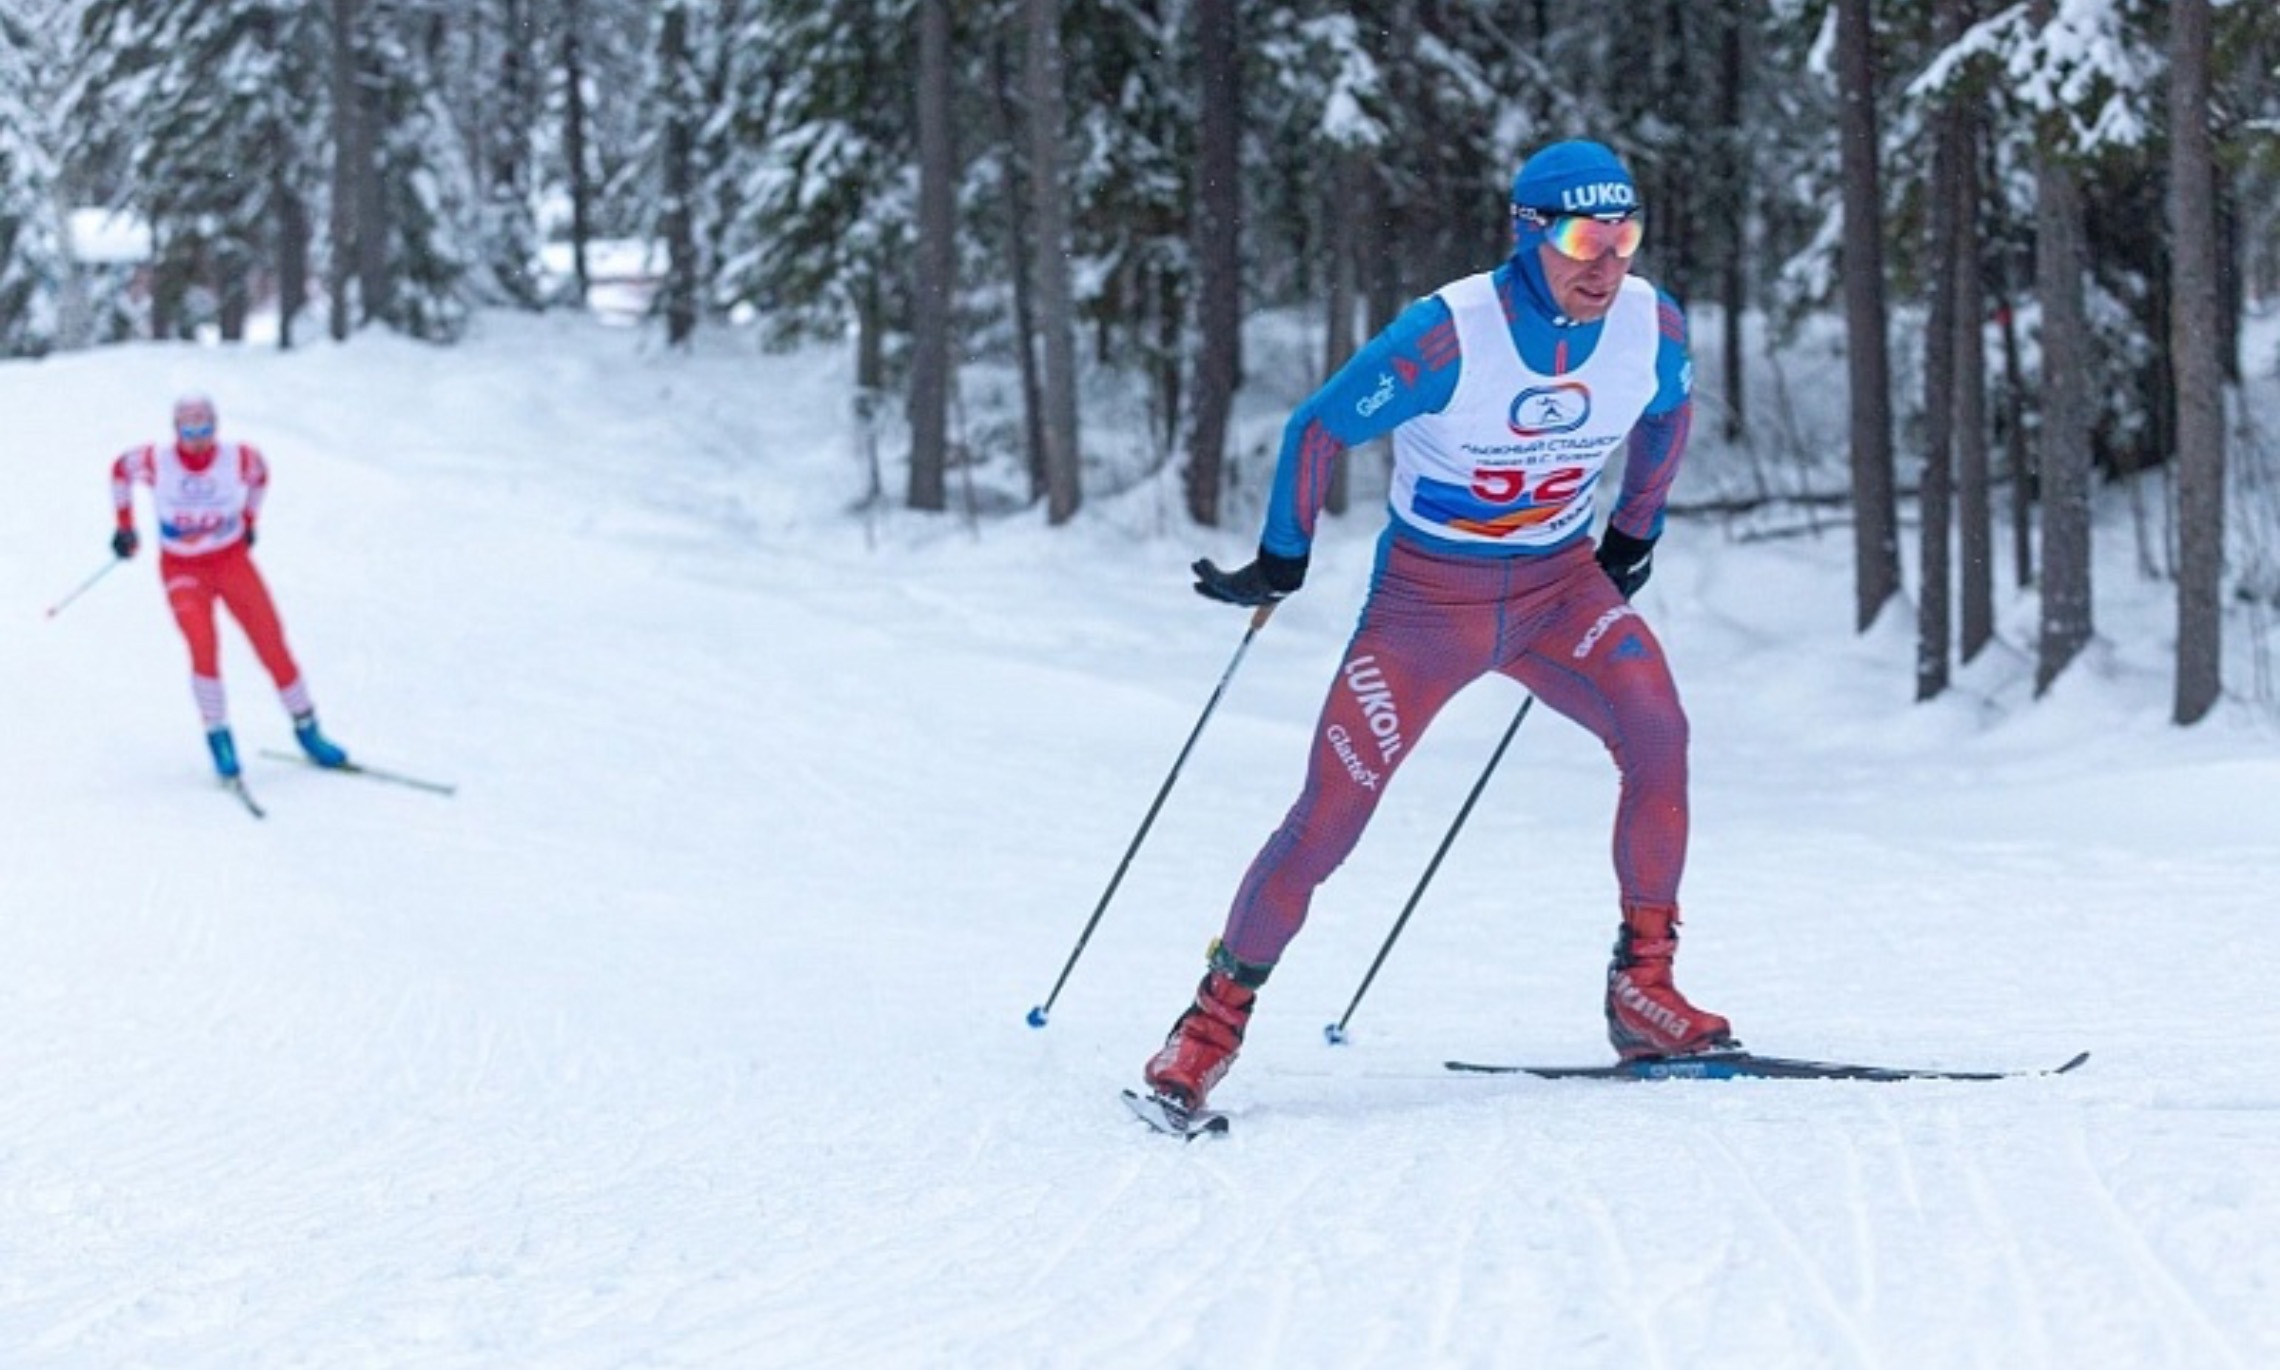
(1575,177)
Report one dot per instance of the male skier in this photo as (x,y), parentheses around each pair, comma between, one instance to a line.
(206,496)
(1505,394)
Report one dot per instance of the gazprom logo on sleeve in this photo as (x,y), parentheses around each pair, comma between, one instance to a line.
(1600,197)
(1542,410)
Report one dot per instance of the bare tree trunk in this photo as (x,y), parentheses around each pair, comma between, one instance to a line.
(680,177)
(2195,330)
(347,110)
(1017,237)
(375,279)
(870,341)
(1935,491)
(234,289)
(1056,310)
(1876,520)
(509,168)
(2018,456)
(937,264)
(1975,534)
(574,142)
(1733,275)
(292,255)
(1218,232)
(2066,624)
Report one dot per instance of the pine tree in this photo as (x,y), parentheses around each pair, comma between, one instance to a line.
(33,261)
(171,95)
(828,203)
(425,185)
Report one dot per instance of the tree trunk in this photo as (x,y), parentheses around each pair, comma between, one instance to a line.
(1017,239)
(1733,274)
(680,177)
(292,244)
(1975,532)
(937,264)
(234,291)
(581,183)
(1935,490)
(375,275)
(2066,625)
(2195,332)
(1056,311)
(1218,232)
(870,342)
(2018,456)
(1876,536)
(340,257)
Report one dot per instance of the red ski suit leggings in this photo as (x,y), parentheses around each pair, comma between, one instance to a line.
(1434,623)
(192,586)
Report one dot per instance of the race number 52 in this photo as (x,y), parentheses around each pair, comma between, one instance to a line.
(1509,485)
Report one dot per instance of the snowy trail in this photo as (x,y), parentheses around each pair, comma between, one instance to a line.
(690,1031)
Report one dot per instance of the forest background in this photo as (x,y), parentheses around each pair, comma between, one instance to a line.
(2038,226)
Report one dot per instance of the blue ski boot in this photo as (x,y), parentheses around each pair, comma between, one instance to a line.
(219,742)
(319,748)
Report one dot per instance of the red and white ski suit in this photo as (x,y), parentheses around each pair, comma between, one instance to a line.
(206,505)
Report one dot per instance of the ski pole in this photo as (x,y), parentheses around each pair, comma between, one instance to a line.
(1039,1014)
(1335,1033)
(84,586)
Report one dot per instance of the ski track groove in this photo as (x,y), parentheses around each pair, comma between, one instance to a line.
(2031,1316)
(1622,1281)
(1258,1253)
(1903,1157)
(1455,1298)
(2142,1254)
(1265,1244)
(1847,1324)
(1863,1230)
(1077,1234)
(1618,1254)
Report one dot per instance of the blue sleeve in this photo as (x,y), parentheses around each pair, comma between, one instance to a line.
(1674,364)
(1658,441)
(1409,369)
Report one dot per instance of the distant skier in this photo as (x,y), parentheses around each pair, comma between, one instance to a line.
(206,496)
(1505,394)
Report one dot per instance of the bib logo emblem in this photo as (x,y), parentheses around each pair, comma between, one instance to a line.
(1542,410)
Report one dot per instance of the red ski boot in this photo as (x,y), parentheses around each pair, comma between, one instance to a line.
(1646,1015)
(1203,1043)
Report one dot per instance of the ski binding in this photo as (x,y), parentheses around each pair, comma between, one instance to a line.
(1174,1119)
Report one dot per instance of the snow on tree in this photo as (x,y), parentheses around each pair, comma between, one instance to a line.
(34,263)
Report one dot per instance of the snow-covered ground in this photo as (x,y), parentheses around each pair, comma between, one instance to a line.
(690,1032)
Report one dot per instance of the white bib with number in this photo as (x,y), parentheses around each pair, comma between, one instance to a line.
(1515,458)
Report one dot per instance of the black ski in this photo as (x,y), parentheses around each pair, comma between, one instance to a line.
(1174,1119)
(1748,1065)
(235,784)
(368,772)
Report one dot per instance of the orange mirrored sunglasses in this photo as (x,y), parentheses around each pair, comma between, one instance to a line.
(1582,238)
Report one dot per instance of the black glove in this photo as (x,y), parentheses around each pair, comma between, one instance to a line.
(249,535)
(124,542)
(1627,560)
(1262,582)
